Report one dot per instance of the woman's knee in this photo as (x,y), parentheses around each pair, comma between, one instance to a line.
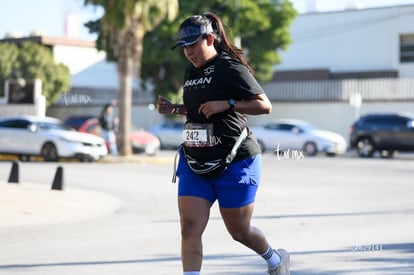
(191,228)
(194,214)
(240,234)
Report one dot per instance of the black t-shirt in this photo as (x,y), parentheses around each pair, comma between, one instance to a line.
(222,78)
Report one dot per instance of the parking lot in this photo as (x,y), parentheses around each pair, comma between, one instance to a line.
(341,215)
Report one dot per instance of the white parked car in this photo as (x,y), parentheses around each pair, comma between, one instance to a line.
(47,137)
(289,134)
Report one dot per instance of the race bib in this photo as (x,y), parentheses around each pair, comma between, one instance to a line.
(198,135)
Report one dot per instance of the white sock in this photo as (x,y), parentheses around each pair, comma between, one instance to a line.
(272,258)
(191,273)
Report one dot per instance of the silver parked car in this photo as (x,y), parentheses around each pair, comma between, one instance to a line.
(47,137)
(289,134)
(169,132)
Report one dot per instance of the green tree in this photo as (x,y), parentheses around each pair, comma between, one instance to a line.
(8,57)
(262,26)
(30,61)
(121,32)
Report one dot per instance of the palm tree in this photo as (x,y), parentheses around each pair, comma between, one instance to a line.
(122,30)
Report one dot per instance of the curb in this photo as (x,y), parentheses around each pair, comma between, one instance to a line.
(141,159)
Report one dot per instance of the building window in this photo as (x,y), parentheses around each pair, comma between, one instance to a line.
(406,48)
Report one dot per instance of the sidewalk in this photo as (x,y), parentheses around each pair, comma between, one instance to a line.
(36,204)
(25,203)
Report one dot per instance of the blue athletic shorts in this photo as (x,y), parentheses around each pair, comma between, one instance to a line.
(235,188)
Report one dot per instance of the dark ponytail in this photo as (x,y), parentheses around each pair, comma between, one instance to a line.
(222,42)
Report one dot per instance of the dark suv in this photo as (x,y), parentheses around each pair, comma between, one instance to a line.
(385,133)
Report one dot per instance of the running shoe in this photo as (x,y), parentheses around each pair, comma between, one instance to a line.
(283,267)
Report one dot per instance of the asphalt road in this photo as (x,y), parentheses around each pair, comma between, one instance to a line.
(335,215)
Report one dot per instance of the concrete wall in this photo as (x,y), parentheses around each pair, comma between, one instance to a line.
(23,109)
(77,58)
(37,108)
(351,40)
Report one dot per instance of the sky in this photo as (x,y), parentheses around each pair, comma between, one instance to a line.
(23,17)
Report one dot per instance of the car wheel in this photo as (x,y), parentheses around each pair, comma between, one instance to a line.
(86,159)
(49,152)
(365,147)
(387,154)
(25,158)
(310,149)
(162,146)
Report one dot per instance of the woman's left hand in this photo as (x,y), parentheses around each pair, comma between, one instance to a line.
(164,106)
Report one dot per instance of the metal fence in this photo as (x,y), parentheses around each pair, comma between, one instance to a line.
(341,90)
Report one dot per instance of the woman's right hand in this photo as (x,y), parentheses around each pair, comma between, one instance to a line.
(164,106)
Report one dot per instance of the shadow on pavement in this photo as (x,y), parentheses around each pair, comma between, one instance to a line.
(398,259)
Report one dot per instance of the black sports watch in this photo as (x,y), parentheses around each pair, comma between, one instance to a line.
(232,103)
